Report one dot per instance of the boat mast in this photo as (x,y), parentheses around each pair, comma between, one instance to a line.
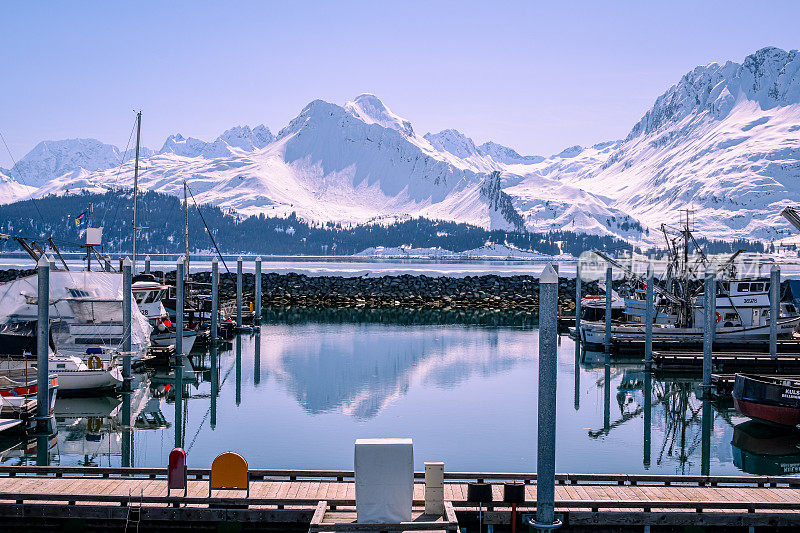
(136,182)
(186,225)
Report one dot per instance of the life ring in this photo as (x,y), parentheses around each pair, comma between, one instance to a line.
(719,317)
(94,363)
(93,425)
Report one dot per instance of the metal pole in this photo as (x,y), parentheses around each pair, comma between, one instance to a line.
(147,264)
(257,317)
(607,340)
(648,318)
(546,452)
(709,324)
(214,299)
(43,347)
(179,307)
(774,309)
(126,322)
(239,292)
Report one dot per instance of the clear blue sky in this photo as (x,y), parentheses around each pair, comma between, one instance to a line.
(537,76)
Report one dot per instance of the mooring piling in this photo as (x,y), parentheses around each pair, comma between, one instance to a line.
(609,290)
(214,299)
(546,451)
(179,302)
(43,419)
(648,318)
(147,264)
(126,323)
(239,292)
(257,303)
(107,265)
(710,324)
(774,309)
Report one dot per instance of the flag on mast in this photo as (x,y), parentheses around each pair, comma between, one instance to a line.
(80,219)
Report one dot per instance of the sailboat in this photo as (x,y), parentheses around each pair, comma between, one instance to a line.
(148,293)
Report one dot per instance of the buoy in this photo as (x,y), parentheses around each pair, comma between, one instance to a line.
(168,323)
(94,363)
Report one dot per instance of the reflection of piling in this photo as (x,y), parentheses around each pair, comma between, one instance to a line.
(705,452)
(179,301)
(257,358)
(648,318)
(607,393)
(257,303)
(546,452)
(127,435)
(238,369)
(710,324)
(577,401)
(774,309)
(179,403)
(239,292)
(648,406)
(43,420)
(214,299)
(607,339)
(214,384)
(126,323)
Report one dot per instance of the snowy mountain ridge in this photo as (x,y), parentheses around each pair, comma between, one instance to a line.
(724,140)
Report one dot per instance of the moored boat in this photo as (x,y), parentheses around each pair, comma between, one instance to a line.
(770,399)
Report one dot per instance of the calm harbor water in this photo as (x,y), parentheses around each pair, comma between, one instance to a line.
(462,385)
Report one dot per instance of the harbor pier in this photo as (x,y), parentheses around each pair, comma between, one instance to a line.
(104,498)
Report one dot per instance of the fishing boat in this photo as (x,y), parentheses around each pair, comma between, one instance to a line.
(770,399)
(743,303)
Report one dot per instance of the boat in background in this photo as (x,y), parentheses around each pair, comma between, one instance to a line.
(771,399)
(149,295)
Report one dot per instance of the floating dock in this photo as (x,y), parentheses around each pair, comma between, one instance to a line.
(299,500)
(728,362)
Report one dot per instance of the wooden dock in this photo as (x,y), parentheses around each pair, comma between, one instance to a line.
(287,500)
(727,362)
(627,346)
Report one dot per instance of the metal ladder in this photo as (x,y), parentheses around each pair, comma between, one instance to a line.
(134,516)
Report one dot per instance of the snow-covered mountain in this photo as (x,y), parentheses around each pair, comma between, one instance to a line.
(724,141)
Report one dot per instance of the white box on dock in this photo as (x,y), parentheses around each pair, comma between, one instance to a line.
(384,471)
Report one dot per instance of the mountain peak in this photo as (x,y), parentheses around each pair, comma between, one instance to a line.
(770,77)
(50,159)
(368,108)
(452,141)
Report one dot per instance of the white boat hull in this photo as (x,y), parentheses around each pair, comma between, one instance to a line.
(593,333)
(89,380)
(168,339)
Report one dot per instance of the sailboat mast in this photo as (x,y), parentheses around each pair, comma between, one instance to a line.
(186,225)
(136,182)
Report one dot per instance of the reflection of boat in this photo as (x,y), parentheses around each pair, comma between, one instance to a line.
(765,449)
(773,399)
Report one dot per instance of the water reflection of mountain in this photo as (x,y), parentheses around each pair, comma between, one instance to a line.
(400,317)
(361,368)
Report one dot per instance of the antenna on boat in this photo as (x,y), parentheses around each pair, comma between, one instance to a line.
(136,184)
(186,225)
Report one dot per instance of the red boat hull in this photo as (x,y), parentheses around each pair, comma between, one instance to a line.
(774,414)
